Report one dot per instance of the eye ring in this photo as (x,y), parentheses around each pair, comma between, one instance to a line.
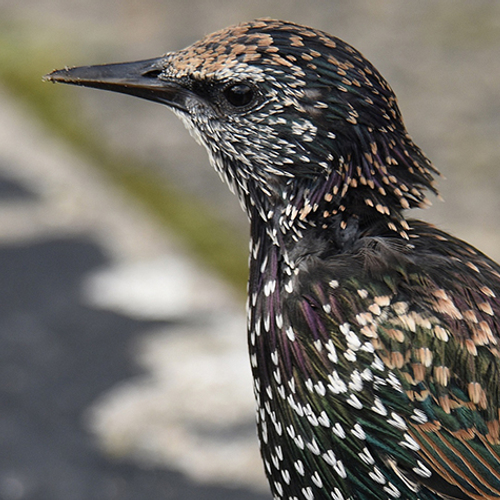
(239,95)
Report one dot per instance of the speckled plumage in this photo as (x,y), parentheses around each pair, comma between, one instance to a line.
(373,337)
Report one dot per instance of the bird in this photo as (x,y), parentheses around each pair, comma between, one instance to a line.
(373,337)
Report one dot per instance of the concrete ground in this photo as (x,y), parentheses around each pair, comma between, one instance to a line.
(123,370)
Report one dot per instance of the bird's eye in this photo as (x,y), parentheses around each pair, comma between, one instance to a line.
(239,95)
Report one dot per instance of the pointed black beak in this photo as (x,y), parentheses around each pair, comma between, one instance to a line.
(139,78)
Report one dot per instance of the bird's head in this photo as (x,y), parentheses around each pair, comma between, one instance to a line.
(297,121)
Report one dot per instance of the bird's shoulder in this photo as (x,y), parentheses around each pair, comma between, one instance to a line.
(433,275)
(430,310)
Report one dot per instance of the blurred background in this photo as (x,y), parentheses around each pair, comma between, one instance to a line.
(123,370)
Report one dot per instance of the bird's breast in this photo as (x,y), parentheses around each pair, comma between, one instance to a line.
(315,376)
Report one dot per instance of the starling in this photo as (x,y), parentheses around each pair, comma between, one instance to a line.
(373,337)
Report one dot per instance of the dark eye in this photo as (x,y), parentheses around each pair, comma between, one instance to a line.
(239,95)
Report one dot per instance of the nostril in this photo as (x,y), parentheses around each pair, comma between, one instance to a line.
(154,73)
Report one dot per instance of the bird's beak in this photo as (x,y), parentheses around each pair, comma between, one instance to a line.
(139,78)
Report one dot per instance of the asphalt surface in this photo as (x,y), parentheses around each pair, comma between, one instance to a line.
(59,353)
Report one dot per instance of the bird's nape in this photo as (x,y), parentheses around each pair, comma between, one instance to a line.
(373,337)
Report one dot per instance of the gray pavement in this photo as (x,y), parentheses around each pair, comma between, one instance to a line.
(123,370)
